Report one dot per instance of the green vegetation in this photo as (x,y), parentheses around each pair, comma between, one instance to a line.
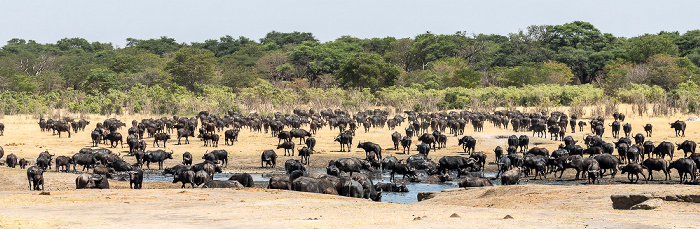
(573,64)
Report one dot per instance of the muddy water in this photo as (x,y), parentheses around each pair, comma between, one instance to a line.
(262,179)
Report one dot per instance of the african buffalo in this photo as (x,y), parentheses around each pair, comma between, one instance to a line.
(370,147)
(185,177)
(679,126)
(269,158)
(474,182)
(633,169)
(35,176)
(222,184)
(511,177)
(136,179)
(687,146)
(656,164)
(292,165)
(157,156)
(244,178)
(685,167)
(391,187)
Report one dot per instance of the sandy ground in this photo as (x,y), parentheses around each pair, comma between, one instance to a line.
(161,205)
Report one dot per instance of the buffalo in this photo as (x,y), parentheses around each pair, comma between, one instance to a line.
(371,147)
(269,158)
(164,137)
(391,187)
(187,158)
(244,178)
(292,165)
(185,177)
(157,156)
(136,179)
(11,160)
(633,169)
(280,182)
(406,144)
(304,153)
(474,182)
(679,126)
(656,164)
(396,138)
(350,165)
(288,146)
(96,181)
(468,144)
(663,149)
(648,128)
(511,177)
(222,184)
(35,176)
(63,161)
(344,140)
(685,167)
(311,143)
(299,133)
(687,146)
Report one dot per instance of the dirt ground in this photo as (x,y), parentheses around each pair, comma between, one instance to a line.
(161,205)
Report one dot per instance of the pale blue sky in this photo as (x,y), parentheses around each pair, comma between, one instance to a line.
(48,21)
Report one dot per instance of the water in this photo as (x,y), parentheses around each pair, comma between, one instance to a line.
(260,180)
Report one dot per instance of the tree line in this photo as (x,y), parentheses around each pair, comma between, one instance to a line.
(574,53)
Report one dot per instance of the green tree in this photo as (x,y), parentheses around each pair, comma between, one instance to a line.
(639,49)
(102,80)
(665,71)
(192,66)
(156,46)
(276,40)
(466,78)
(367,70)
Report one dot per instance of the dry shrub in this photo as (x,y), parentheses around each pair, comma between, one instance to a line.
(610,107)
(598,110)
(664,107)
(578,108)
(639,105)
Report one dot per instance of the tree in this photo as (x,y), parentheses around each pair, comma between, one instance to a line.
(156,46)
(399,53)
(367,70)
(466,78)
(275,40)
(639,49)
(665,72)
(101,80)
(191,66)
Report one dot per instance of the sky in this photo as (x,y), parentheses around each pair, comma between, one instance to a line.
(47,21)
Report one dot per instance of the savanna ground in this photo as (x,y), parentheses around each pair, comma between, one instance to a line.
(161,204)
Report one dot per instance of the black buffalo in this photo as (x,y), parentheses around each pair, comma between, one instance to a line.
(344,140)
(370,147)
(136,179)
(244,178)
(187,158)
(468,144)
(157,156)
(679,126)
(269,158)
(35,176)
(687,146)
(685,167)
(474,182)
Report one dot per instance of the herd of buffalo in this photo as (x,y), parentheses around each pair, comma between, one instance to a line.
(344,176)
